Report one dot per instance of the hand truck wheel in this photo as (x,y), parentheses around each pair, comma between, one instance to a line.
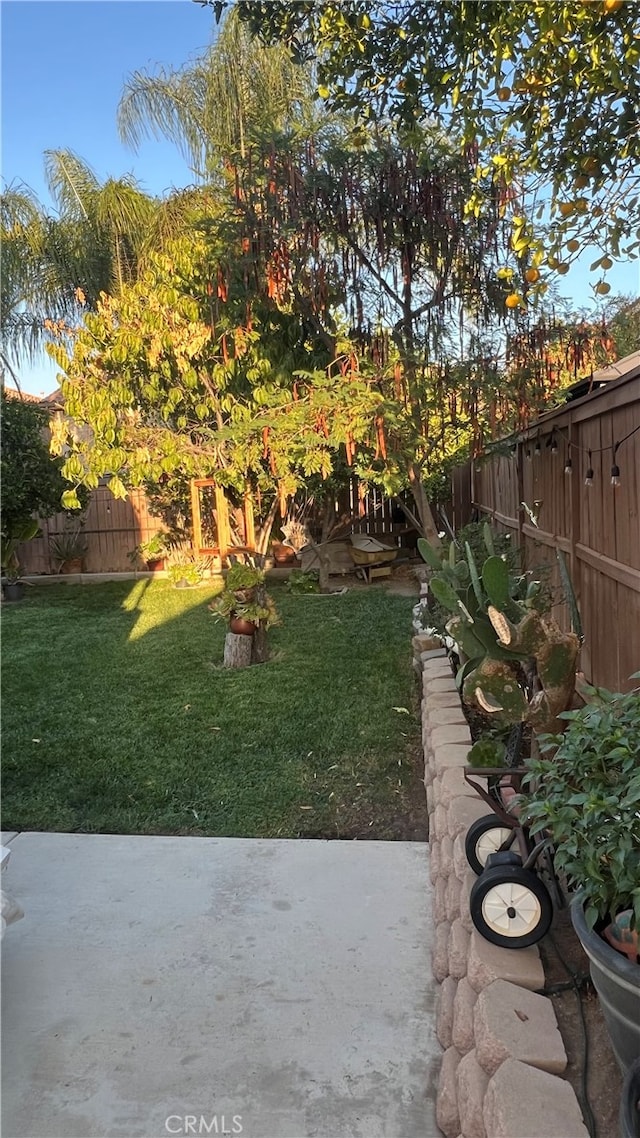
(510,906)
(486,836)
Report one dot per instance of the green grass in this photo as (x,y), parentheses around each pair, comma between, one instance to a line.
(118,717)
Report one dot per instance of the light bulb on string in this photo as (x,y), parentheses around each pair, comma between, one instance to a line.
(568,466)
(537,448)
(588,481)
(615,469)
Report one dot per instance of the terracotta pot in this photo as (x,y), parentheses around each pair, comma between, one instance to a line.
(74,566)
(241,627)
(155,564)
(283,554)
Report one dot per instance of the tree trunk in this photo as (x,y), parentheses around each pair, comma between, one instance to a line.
(328,520)
(259,645)
(237,650)
(423,509)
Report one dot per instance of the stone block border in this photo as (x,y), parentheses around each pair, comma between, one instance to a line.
(503,1056)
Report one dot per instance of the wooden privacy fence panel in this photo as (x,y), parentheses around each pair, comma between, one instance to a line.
(597,527)
(113,527)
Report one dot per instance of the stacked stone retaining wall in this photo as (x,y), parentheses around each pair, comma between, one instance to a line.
(503,1060)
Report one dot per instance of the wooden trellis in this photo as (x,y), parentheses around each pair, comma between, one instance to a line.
(218,524)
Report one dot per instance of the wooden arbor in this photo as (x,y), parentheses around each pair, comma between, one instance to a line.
(213,532)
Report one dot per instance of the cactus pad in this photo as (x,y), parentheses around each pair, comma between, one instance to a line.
(495,578)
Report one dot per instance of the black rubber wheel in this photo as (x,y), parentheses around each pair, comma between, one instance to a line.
(485,836)
(510,906)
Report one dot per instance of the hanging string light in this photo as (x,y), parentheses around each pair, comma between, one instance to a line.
(588,481)
(568,466)
(615,469)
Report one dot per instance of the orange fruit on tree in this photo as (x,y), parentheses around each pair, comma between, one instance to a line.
(532,275)
(562,268)
(602,288)
(612,5)
(504,93)
(513,300)
(573,245)
(606,263)
(565,208)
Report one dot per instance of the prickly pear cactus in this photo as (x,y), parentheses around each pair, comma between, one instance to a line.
(516,664)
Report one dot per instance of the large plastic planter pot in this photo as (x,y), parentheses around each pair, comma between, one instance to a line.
(630,1104)
(617,982)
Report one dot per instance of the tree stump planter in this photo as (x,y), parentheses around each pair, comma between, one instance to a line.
(237,650)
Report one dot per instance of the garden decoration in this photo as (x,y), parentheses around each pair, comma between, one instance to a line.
(516,664)
(250,611)
(296,537)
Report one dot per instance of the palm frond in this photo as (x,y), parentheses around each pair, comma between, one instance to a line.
(162,106)
(239,92)
(71,181)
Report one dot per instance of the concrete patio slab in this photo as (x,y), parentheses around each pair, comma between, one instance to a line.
(274,989)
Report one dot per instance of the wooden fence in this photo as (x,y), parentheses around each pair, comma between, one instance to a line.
(596,526)
(113,528)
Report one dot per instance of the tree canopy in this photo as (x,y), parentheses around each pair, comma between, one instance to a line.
(551,90)
(31,480)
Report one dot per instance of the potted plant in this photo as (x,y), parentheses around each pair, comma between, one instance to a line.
(25,529)
(69,548)
(153,552)
(186,572)
(244,601)
(586,793)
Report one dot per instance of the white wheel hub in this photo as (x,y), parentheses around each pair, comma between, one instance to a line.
(511,909)
(490,842)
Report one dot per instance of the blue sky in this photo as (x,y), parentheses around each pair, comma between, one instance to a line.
(64,63)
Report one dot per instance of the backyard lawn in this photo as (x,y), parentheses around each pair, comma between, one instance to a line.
(118,717)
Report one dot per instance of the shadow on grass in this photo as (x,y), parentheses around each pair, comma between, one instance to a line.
(119,718)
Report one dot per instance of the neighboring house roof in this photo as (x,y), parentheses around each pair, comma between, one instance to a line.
(626,368)
(21,396)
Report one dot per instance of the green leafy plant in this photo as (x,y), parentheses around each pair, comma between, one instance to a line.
(15,533)
(487,752)
(300,582)
(245,596)
(185,571)
(154,549)
(586,791)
